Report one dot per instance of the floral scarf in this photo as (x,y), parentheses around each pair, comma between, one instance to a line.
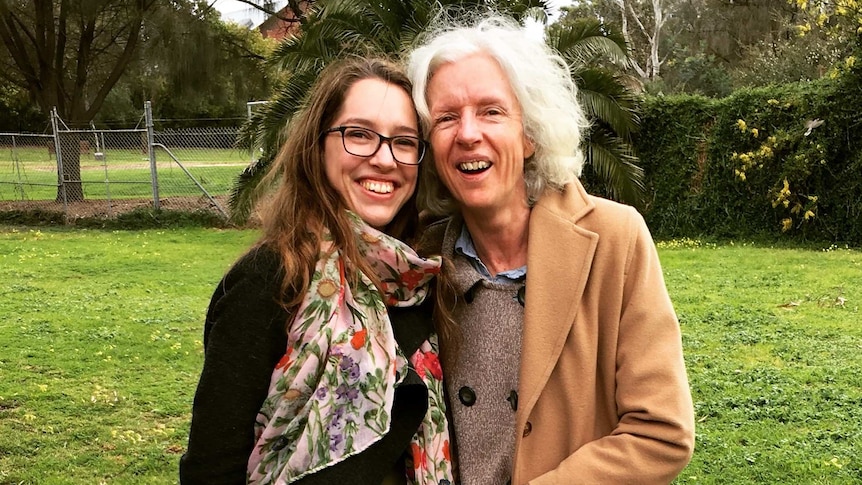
(330,397)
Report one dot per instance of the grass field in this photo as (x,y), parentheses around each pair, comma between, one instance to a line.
(101,348)
(31,173)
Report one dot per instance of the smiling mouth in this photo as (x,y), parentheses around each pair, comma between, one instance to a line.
(378,187)
(476,166)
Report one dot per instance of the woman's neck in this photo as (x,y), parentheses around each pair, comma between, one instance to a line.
(500,240)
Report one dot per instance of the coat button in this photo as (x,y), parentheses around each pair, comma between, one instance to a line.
(470,294)
(522,295)
(528,428)
(467,396)
(513,400)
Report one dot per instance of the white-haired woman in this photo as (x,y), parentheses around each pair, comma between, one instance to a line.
(566,364)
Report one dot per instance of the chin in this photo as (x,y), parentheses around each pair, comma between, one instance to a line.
(377,221)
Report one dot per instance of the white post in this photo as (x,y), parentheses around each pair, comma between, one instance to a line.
(154,169)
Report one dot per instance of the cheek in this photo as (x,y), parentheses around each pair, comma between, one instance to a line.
(411,178)
(337,168)
(440,141)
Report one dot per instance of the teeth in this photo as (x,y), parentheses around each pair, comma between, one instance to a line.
(378,187)
(472,166)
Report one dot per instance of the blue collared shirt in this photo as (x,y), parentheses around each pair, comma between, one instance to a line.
(464,246)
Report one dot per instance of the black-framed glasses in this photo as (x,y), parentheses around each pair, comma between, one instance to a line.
(363,142)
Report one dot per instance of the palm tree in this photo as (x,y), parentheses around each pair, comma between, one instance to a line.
(597,58)
(335,28)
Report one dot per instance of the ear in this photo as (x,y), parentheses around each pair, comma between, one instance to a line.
(529,147)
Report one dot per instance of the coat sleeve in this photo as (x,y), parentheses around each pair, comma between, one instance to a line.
(244,337)
(654,438)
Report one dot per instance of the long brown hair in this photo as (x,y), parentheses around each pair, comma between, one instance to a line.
(305,204)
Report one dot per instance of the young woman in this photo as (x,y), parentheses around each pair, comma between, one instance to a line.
(320,360)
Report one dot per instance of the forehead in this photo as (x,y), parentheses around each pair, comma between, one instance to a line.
(473,79)
(374,101)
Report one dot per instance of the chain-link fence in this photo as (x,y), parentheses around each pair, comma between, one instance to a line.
(103,173)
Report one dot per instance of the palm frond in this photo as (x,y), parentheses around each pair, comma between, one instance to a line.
(581,43)
(605,99)
(266,129)
(614,163)
(247,189)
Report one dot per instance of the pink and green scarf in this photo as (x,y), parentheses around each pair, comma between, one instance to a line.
(331,395)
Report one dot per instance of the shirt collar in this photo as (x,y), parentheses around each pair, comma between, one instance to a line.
(464,246)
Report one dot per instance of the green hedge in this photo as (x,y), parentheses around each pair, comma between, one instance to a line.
(743,165)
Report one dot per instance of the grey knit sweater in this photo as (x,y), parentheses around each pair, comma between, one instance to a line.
(483,382)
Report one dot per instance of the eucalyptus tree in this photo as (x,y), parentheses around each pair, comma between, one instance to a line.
(334,28)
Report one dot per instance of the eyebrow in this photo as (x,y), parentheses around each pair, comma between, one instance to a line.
(368,124)
(487,100)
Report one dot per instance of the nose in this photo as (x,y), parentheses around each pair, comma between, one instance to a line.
(468,130)
(383,158)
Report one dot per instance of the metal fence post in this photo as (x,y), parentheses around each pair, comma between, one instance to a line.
(154,170)
(58,154)
(253,148)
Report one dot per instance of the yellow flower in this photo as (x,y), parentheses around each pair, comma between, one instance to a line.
(850,61)
(327,288)
(821,19)
(741,125)
(772,101)
(786,224)
(796,208)
(786,190)
(755,132)
(808,215)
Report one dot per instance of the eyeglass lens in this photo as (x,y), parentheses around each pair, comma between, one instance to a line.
(363,142)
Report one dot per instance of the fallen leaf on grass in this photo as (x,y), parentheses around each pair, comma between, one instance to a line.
(175,449)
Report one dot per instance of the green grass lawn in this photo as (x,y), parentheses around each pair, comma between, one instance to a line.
(101,349)
(124,174)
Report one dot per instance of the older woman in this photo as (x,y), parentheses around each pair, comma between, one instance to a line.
(567,364)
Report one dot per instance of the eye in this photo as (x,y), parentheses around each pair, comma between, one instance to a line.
(406,141)
(494,111)
(358,134)
(444,119)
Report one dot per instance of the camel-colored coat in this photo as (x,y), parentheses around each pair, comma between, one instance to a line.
(603,393)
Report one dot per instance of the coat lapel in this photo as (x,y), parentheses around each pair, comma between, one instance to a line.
(559,257)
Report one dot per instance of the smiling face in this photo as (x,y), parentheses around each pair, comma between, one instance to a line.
(374,187)
(477,135)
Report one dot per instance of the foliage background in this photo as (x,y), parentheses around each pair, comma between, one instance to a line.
(687,144)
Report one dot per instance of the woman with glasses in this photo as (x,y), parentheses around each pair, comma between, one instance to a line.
(320,361)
